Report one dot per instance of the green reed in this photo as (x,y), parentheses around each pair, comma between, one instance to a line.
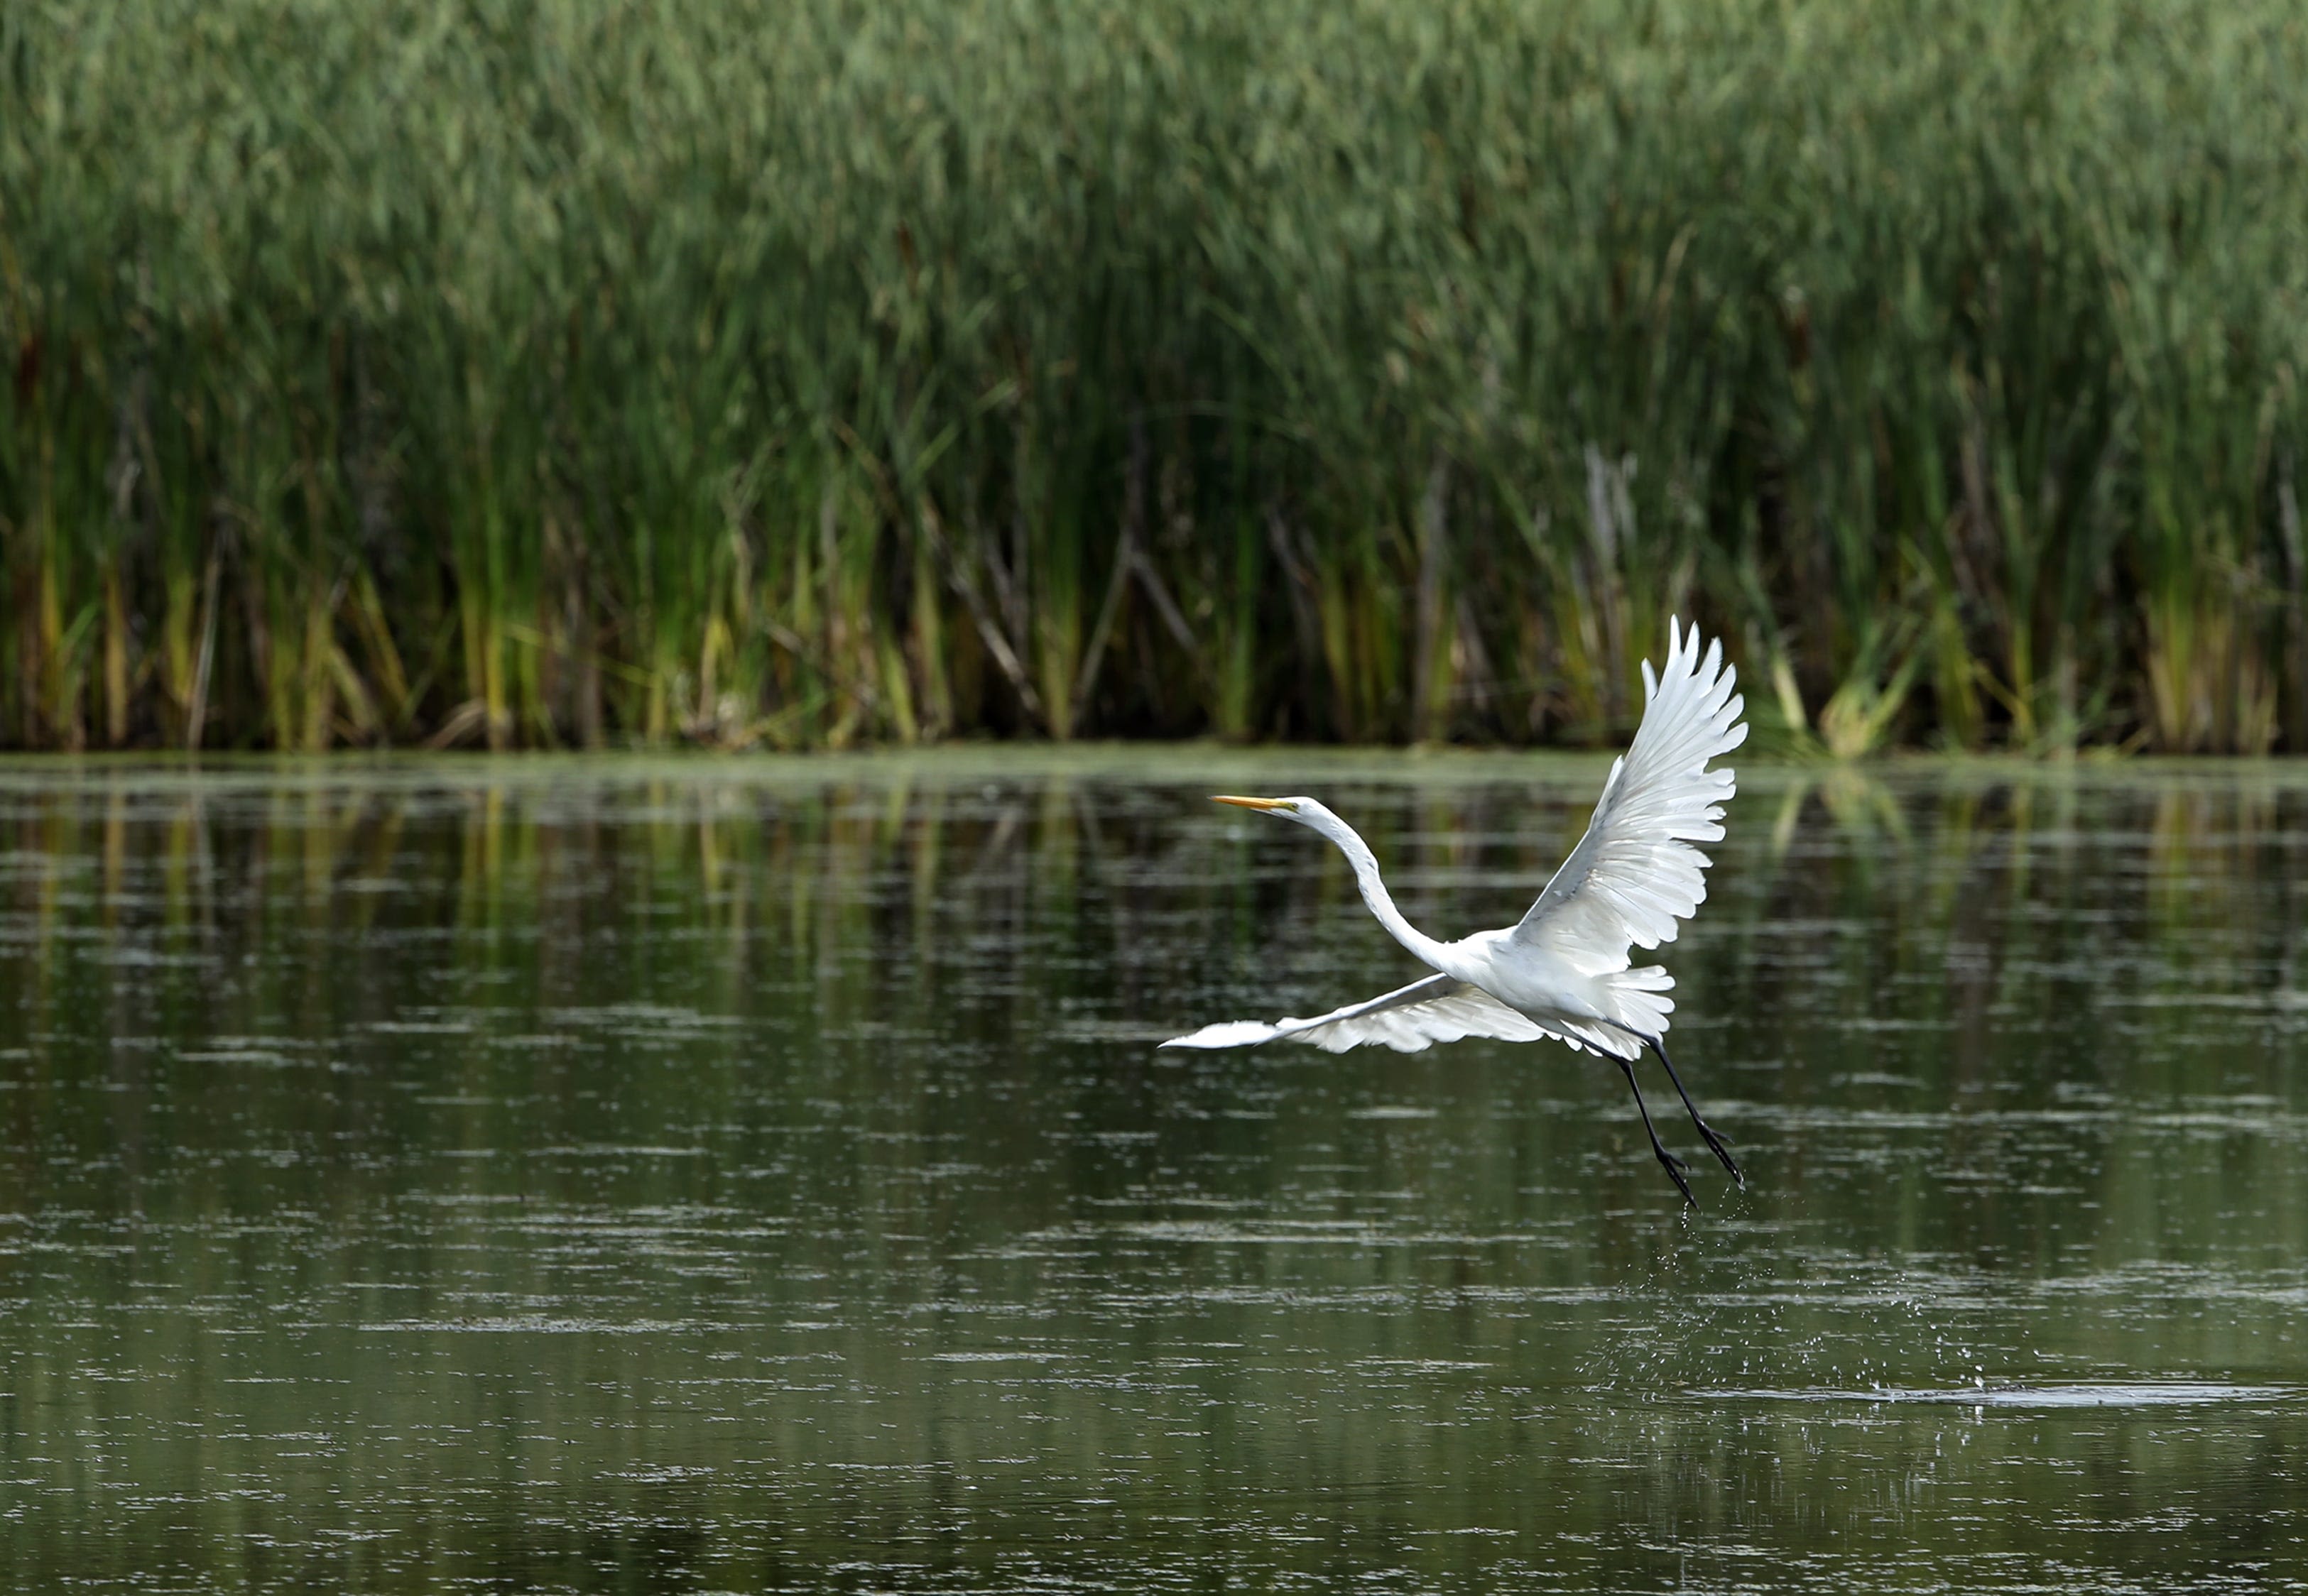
(805,373)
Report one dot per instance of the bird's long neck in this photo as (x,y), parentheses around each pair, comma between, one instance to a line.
(1374,892)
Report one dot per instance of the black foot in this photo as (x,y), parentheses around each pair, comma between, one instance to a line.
(1668,1162)
(1674,1168)
(1706,1131)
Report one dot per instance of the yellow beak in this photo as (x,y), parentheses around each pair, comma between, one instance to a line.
(1252,802)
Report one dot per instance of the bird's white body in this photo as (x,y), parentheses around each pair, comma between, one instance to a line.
(1537,982)
(1563,971)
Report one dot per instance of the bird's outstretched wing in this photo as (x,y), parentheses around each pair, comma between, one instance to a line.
(1635,872)
(1410,1020)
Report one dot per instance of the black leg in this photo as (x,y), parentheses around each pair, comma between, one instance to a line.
(1668,1162)
(1714,1142)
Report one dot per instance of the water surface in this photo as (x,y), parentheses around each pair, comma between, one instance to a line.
(632,1176)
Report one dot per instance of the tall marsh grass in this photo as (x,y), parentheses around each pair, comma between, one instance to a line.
(794,373)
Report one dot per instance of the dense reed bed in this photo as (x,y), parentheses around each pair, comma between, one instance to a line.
(802,372)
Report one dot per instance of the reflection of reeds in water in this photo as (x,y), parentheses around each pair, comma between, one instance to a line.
(791,377)
(2210,848)
(721,869)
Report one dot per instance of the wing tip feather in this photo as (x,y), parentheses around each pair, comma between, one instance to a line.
(1224,1033)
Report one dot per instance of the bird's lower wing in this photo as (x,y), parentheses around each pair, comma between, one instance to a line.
(1410,1020)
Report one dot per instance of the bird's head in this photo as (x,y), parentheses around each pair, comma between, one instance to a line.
(1304,810)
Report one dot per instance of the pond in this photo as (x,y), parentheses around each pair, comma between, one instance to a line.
(642,1175)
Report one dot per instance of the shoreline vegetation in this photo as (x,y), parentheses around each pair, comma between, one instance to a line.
(818,373)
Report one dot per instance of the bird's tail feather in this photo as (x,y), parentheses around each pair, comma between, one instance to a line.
(1638,998)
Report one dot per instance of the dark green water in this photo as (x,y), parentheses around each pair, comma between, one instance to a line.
(726,1176)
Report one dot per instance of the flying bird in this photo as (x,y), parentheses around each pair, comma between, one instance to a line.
(1563,971)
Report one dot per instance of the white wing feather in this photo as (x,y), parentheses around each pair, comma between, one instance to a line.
(1410,1019)
(1635,874)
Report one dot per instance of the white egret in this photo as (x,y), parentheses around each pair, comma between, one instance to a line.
(1563,971)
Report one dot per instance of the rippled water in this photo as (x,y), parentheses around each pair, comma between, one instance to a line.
(727,1176)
